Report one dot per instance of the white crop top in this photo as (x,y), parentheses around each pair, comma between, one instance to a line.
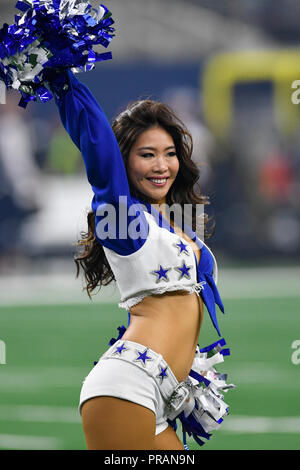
(165,262)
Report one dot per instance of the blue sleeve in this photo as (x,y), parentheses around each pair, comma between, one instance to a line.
(89,129)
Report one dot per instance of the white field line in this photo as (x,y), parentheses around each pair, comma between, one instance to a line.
(61,287)
(19,380)
(42,414)
(50,289)
(261,424)
(264,374)
(56,414)
(19,442)
(259,282)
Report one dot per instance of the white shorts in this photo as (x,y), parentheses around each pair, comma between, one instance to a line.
(132,372)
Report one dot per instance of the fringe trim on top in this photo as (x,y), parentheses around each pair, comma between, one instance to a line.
(127,304)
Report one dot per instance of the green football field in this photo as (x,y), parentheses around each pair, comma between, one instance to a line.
(51,348)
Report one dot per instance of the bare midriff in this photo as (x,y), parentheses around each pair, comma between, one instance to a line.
(169,324)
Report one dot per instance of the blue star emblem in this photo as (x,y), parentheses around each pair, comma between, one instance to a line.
(182,247)
(120,349)
(143,357)
(162,374)
(184,271)
(161,274)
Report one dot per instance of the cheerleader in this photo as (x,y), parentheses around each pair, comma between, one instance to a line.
(154,372)
(143,161)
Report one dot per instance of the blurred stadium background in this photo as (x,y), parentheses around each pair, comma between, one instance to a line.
(227,68)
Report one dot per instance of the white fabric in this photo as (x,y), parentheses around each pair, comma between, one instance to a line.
(136,275)
(120,375)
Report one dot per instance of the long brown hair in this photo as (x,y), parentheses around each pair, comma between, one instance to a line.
(127,127)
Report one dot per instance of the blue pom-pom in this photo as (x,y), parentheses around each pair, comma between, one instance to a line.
(51,34)
(121,330)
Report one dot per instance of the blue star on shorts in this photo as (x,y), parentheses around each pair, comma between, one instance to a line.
(162,374)
(120,349)
(184,271)
(143,357)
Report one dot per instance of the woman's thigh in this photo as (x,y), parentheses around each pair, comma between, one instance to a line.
(113,423)
(167,440)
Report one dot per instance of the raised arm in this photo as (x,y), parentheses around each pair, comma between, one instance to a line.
(37,52)
(89,129)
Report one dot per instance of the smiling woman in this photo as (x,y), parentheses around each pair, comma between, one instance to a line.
(155,285)
(154,372)
(154,172)
(154,143)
